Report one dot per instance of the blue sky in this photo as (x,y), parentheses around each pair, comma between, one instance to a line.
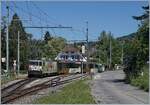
(114,16)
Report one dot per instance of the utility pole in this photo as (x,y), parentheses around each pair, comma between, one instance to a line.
(110,52)
(7,41)
(87,52)
(87,41)
(122,53)
(18,64)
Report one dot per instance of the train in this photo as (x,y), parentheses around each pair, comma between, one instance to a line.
(42,68)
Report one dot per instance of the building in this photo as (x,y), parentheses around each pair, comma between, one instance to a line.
(70,60)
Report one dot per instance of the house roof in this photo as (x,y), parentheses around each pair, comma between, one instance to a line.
(70,48)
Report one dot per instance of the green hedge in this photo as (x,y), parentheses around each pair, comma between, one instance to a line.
(142,81)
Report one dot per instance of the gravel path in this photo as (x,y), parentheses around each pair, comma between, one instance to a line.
(109,88)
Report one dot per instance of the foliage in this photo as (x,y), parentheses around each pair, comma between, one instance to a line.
(145,17)
(3,39)
(103,49)
(35,49)
(5,79)
(15,26)
(53,47)
(70,94)
(142,81)
(47,48)
(47,37)
(137,53)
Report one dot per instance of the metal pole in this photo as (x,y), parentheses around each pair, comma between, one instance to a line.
(87,46)
(87,41)
(122,53)
(110,52)
(7,42)
(82,68)
(99,56)
(18,53)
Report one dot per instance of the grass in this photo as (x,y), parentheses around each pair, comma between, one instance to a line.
(142,81)
(77,92)
(6,79)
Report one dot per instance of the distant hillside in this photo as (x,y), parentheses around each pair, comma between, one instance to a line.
(127,37)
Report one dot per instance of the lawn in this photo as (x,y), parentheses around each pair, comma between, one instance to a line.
(77,92)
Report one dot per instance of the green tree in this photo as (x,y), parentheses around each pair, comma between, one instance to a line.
(54,46)
(47,37)
(103,49)
(144,18)
(15,26)
(3,36)
(3,40)
(137,50)
(36,49)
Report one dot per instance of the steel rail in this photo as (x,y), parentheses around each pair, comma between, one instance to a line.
(51,83)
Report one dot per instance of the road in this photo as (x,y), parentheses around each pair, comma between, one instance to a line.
(109,88)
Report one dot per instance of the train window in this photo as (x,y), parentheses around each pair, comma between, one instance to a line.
(66,56)
(36,63)
(72,56)
(40,63)
(33,63)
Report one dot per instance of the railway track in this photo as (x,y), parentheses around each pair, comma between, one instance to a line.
(13,87)
(49,83)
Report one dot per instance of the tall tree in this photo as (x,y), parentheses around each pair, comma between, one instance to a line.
(36,49)
(3,36)
(15,26)
(3,40)
(47,37)
(137,51)
(53,47)
(103,49)
(144,18)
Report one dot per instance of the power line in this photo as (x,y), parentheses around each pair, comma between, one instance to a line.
(15,11)
(39,18)
(44,13)
(30,18)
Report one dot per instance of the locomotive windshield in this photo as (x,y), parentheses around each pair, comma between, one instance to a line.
(35,63)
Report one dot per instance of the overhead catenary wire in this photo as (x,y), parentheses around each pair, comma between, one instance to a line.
(44,13)
(30,17)
(40,18)
(24,11)
(16,10)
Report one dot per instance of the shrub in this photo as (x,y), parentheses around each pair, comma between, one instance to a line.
(142,81)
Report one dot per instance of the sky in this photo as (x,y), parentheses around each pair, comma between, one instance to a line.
(113,16)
